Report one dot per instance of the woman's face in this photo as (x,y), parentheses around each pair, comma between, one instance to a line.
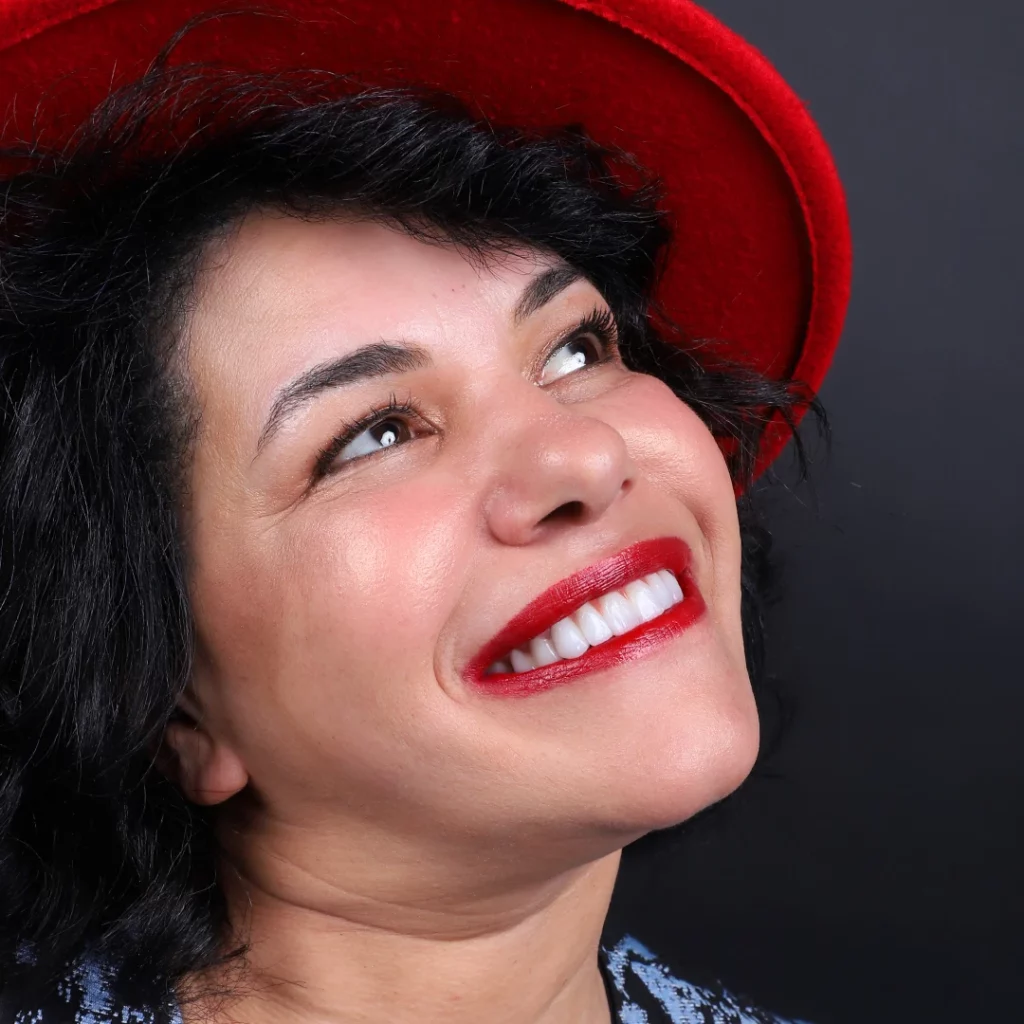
(342,590)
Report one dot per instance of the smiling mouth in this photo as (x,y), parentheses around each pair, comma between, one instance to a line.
(615,611)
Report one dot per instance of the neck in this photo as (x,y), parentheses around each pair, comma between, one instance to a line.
(320,954)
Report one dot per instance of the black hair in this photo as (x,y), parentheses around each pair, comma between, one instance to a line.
(100,241)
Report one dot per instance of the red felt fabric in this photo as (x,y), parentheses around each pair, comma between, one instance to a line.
(762,258)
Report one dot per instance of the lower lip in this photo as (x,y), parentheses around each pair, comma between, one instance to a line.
(638,643)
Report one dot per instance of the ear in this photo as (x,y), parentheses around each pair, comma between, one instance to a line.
(204,767)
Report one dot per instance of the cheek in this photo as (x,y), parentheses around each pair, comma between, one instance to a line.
(321,644)
(678,456)
(674,447)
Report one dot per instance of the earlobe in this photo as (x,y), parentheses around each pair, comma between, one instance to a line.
(206,770)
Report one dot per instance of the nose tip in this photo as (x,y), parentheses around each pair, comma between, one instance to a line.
(567,472)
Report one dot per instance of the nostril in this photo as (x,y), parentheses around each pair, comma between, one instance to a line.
(570,510)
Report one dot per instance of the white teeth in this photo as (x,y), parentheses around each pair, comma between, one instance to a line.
(612,614)
(521,662)
(543,652)
(643,600)
(618,613)
(592,625)
(672,583)
(567,639)
(660,591)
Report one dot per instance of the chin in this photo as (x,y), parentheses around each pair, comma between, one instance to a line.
(668,785)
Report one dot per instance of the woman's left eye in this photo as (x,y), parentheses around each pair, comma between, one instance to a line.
(573,355)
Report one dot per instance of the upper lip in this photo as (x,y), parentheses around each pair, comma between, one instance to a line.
(567,595)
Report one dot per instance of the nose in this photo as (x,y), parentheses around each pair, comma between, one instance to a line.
(561,469)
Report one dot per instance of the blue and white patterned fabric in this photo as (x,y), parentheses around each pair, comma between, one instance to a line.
(641,991)
(85,996)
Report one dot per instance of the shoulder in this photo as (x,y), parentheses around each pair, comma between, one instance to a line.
(87,994)
(647,993)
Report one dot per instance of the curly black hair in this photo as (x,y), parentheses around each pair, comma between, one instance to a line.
(100,241)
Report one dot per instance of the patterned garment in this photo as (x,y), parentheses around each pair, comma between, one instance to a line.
(641,991)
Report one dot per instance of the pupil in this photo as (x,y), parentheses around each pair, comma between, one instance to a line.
(578,359)
(389,434)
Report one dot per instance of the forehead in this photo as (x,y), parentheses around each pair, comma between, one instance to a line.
(294,292)
(277,296)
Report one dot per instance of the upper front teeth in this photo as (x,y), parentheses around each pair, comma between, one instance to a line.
(595,622)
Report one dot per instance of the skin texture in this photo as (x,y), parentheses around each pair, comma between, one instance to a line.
(399,846)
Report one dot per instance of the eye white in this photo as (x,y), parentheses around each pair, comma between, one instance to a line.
(372,439)
(566,359)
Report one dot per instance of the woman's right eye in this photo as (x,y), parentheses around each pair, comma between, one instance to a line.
(383,434)
(394,424)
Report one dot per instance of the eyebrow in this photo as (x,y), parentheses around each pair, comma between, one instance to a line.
(543,288)
(386,357)
(376,360)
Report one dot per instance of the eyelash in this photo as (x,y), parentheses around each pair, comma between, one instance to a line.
(598,322)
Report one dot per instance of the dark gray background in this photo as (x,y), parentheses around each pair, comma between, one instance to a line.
(871,870)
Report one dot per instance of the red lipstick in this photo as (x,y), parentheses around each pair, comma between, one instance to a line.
(565,597)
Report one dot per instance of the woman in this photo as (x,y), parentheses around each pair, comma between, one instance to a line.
(372,561)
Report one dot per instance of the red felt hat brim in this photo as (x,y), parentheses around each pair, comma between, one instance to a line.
(761,260)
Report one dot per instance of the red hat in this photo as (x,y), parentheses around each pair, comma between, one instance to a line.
(761,260)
